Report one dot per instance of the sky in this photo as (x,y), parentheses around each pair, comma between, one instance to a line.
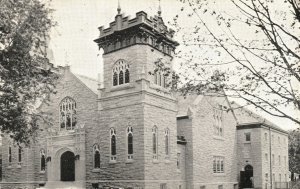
(77,26)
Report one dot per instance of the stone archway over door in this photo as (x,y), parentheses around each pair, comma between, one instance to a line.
(67,166)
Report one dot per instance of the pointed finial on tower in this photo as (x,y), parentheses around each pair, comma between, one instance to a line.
(119,7)
(159,9)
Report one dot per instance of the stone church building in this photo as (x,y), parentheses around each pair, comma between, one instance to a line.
(129,130)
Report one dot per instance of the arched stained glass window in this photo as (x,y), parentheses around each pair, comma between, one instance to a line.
(113,145)
(121,73)
(121,78)
(129,143)
(67,114)
(96,156)
(167,142)
(43,160)
(115,79)
(154,142)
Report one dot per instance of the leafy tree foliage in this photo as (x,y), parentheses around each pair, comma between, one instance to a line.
(24,76)
(253,44)
(294,151)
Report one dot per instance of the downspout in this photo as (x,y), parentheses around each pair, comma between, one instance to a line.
(270,149)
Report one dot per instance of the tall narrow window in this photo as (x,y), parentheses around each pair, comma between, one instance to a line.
(129,143)
(113,145)
(115,79)
(127,76)
(121,73)
(19,155)
(43,160)
(67,112)
(178,160)
(9,155)
(96,155)
(167,142)
(121,78)
(218,126)
(154,142)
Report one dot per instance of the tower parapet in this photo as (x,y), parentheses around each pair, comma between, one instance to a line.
(124,32)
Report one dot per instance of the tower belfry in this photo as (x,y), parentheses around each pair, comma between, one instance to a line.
(131,98)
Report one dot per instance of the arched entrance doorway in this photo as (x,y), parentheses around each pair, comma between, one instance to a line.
(67,166)
(247,177)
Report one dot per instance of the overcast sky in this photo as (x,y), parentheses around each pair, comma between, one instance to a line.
(78,22)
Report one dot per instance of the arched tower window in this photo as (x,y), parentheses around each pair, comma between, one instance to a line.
(121,73)
(96,156)
(113,145)
(67,113)
(167,142)
(43,160)
(154,142)
(129,143)
(160,79)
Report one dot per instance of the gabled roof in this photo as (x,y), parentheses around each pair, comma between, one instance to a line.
(246,117)
(184,103)
(91,83)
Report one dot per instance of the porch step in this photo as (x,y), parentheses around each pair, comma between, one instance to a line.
(64,185)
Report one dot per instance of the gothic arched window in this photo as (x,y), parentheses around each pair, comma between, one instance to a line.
(67,113)
(121,73)
(43,160)
(121,78)
(115,79)
(160,78)
(129,143)
(96,156)
(154,142)
(113,145)
(127,76)
(167,142)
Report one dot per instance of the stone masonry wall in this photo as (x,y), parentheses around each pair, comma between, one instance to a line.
(206,145)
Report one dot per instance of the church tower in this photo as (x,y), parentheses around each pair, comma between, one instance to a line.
(137,110)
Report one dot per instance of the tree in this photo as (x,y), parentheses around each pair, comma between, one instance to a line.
(24,76)
(294,152)
(249,48)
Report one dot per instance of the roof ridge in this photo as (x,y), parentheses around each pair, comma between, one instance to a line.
(84,76)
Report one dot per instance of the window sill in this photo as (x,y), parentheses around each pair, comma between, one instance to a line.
(19,166)
(9,167)
(167,161)
(247,142)
(178,170)
(158,87)
(122,87)
(128,161)
(96,170)
(219,174)
(42,172)
(155,161)
(112,161)
(218,137)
